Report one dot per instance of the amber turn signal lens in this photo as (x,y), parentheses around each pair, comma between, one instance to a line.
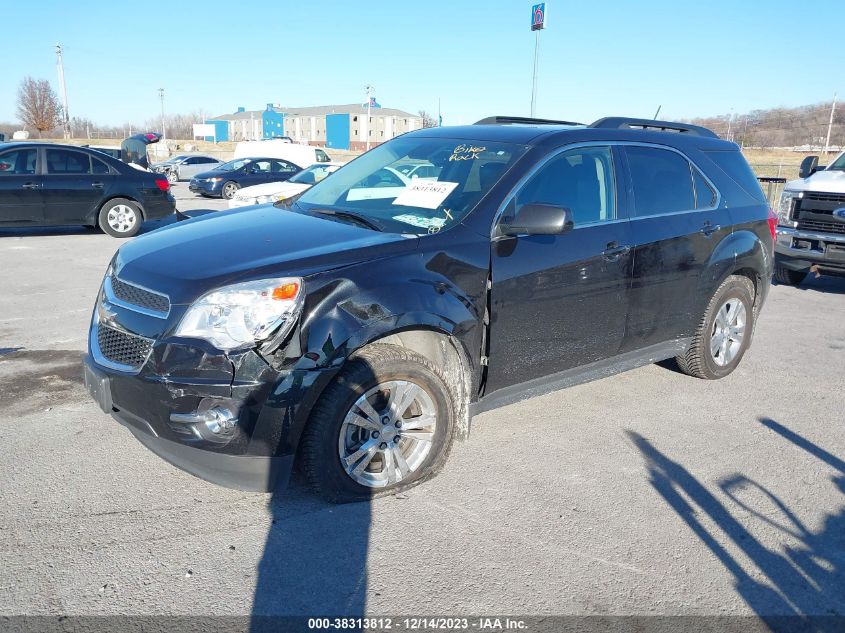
(288,291)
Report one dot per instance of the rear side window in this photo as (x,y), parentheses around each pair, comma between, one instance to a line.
(705,197)
(17,162)
(60,161)
(662,181)
(98,166)
(322,157)
(733,163)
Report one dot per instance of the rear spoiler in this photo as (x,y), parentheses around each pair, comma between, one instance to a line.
(134,148)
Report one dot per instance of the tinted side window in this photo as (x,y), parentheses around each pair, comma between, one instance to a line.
(661,179)
(60,161)
(580,180)
(733,163)
(98,166)
(17,162)
(284,166)
(705,197)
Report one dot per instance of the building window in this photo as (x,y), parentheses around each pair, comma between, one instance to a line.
(355,118)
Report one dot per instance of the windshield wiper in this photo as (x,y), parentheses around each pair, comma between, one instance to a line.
(349,215)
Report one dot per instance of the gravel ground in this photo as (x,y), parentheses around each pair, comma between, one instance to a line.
(645,493)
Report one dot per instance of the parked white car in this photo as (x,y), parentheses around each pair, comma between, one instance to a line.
(301,155)
(270,192)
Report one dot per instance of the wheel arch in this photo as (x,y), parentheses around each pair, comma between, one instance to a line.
(740,253)
(96,215)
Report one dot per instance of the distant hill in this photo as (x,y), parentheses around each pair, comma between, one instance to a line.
(804,126)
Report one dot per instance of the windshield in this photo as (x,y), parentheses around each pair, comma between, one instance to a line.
(839,163)
(313,174)
(232,165)
(373,186)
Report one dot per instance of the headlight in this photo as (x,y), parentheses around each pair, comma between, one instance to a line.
(787,199)
(244,314)
(271,198)
(216,179)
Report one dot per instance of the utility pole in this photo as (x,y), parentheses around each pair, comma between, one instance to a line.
(163,127)
(830,124)
(538,23)
(730,124)
(61,68)
(369,103)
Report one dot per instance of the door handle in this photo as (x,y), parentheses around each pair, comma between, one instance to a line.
(614,251)
(30,185)
(708,229)
(97,185)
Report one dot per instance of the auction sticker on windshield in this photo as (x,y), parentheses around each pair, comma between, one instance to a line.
(425,194)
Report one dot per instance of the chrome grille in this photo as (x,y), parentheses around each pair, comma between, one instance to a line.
(819,196)
(140,297)
(122,348)
(823,227)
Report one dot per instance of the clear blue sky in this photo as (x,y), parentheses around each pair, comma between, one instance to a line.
(597,58)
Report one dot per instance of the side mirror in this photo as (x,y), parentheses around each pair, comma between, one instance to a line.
(538,219)
(809,166)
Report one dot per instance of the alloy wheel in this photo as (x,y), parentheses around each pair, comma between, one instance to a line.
(121,218)
(387,434)
(728,332)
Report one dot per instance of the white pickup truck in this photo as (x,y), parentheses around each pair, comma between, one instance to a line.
(811,222)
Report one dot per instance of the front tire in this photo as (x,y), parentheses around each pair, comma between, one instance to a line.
(385,424)
(725,331)
(172,177)
(229,190)
(789,277)
(120,218)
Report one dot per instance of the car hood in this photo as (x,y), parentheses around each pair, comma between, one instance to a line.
(190,258)
(830,181)
(271,188)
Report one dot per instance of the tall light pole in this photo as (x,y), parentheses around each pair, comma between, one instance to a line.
(163,127)
(830,124)
(369,89)
(61,68)
(538,23)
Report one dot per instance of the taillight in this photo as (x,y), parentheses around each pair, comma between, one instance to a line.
(162,184)
(773,223)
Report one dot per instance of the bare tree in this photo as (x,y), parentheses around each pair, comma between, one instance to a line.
(427,119)
(38,105)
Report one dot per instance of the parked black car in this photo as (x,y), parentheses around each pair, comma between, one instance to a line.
(223,181)
(44,184)
(362,332)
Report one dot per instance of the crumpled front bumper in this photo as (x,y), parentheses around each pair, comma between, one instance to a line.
(271,408)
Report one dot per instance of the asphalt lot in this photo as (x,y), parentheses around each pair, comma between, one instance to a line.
(645,493)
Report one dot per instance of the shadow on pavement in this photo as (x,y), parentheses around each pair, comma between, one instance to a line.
(315,559)
(801,587)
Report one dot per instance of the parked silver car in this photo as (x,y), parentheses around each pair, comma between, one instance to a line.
(186,166)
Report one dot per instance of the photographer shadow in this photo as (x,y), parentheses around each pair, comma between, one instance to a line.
(803,586)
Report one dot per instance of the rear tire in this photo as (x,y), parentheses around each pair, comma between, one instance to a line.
(789,277)
(395,449)
(120,218)
(724,333)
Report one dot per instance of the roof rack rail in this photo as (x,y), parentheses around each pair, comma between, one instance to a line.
(510,120)
(619,122)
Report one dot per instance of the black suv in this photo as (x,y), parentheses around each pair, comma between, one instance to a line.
(362,326)
(44,184)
